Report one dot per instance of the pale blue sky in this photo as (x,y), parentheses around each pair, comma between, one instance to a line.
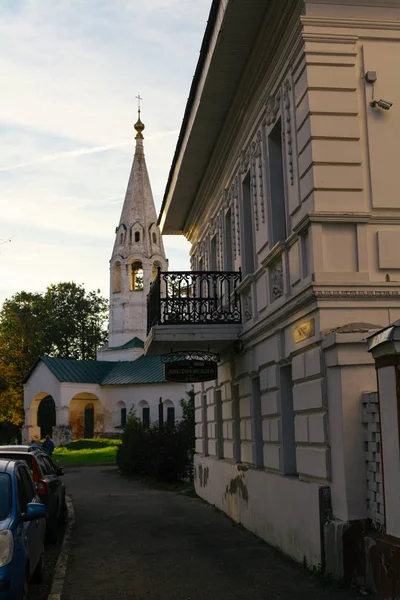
(70,71)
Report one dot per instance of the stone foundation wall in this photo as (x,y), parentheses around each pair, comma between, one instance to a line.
(61,435)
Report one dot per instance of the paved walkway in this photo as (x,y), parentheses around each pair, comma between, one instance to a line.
(141,544)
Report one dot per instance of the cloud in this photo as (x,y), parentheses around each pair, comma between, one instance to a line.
(72,71)
(81,152)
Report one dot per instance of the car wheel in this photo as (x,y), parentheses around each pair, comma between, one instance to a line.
(38,573)
(52,531)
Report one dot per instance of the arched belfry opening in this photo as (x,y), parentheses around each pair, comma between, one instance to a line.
(116,277)
(136,283)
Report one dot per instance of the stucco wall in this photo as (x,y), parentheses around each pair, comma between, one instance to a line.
(134,396)
(250,498)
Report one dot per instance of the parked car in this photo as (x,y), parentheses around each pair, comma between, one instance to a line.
(22,531)
(47,477)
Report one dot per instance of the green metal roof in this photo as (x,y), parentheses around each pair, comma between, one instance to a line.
(78,371)
(146,369)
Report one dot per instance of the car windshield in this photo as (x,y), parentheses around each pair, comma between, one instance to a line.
(5,496)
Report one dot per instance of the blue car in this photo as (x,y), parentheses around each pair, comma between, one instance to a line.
(22,530)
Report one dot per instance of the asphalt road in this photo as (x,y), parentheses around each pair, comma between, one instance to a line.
(138,543)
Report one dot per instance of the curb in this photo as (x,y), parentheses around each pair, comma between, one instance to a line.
(61,566)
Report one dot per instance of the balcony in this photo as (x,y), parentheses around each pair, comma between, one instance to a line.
(192,310)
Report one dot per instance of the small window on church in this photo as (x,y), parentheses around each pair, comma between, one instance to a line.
(121,238)
(154,238)
(136,277)
(123,417)
(117,277)
(137,236)
(146,417)
(170,416)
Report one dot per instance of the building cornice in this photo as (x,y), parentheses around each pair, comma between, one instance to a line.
(334,217)
(349,23)
(316,295)
(282,313)
(371,294)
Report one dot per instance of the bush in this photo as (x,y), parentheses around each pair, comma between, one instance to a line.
(160,451)
(9,432)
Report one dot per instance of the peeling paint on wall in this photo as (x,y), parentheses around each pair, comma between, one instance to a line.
(203,475)
(237,486)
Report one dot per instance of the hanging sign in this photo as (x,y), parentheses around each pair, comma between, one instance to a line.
(190,371)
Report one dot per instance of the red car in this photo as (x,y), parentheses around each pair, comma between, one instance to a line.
(50,488)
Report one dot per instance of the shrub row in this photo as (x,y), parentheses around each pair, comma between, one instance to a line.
(162,450)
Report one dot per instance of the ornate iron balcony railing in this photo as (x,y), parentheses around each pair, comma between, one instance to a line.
(194,297)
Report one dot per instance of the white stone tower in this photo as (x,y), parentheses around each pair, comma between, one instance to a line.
(138,251)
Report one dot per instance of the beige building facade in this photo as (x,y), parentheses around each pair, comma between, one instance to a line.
(286,170)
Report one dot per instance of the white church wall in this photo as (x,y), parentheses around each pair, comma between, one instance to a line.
(127,354)
(41,383)
(134,396)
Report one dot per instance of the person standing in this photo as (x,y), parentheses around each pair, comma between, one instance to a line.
(48,445)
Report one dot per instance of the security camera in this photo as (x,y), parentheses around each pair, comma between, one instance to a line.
(384,104)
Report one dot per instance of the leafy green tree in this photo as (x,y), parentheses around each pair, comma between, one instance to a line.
(65,321)
(23,330)
(76,327)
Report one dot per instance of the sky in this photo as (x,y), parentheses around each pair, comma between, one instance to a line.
(70,71)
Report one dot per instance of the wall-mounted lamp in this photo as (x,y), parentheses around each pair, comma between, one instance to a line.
(371,77)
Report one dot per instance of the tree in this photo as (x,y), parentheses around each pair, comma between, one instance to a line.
(23,330)
(65,321)
(11,397)
(76,326)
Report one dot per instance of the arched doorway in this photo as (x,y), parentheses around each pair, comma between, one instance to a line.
(88,431)
(39,418)
(46,416)
(86,416)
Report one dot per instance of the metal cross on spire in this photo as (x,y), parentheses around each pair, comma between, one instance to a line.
(139,125)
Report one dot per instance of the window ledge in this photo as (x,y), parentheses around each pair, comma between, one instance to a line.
(275,252)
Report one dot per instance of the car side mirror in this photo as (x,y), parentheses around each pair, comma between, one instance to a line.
(60,471)
(33,512)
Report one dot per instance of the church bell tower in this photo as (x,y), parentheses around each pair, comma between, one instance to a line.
(138,252)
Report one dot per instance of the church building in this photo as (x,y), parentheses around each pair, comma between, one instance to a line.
(93,398)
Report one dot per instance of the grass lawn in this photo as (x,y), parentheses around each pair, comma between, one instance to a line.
(87,452)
